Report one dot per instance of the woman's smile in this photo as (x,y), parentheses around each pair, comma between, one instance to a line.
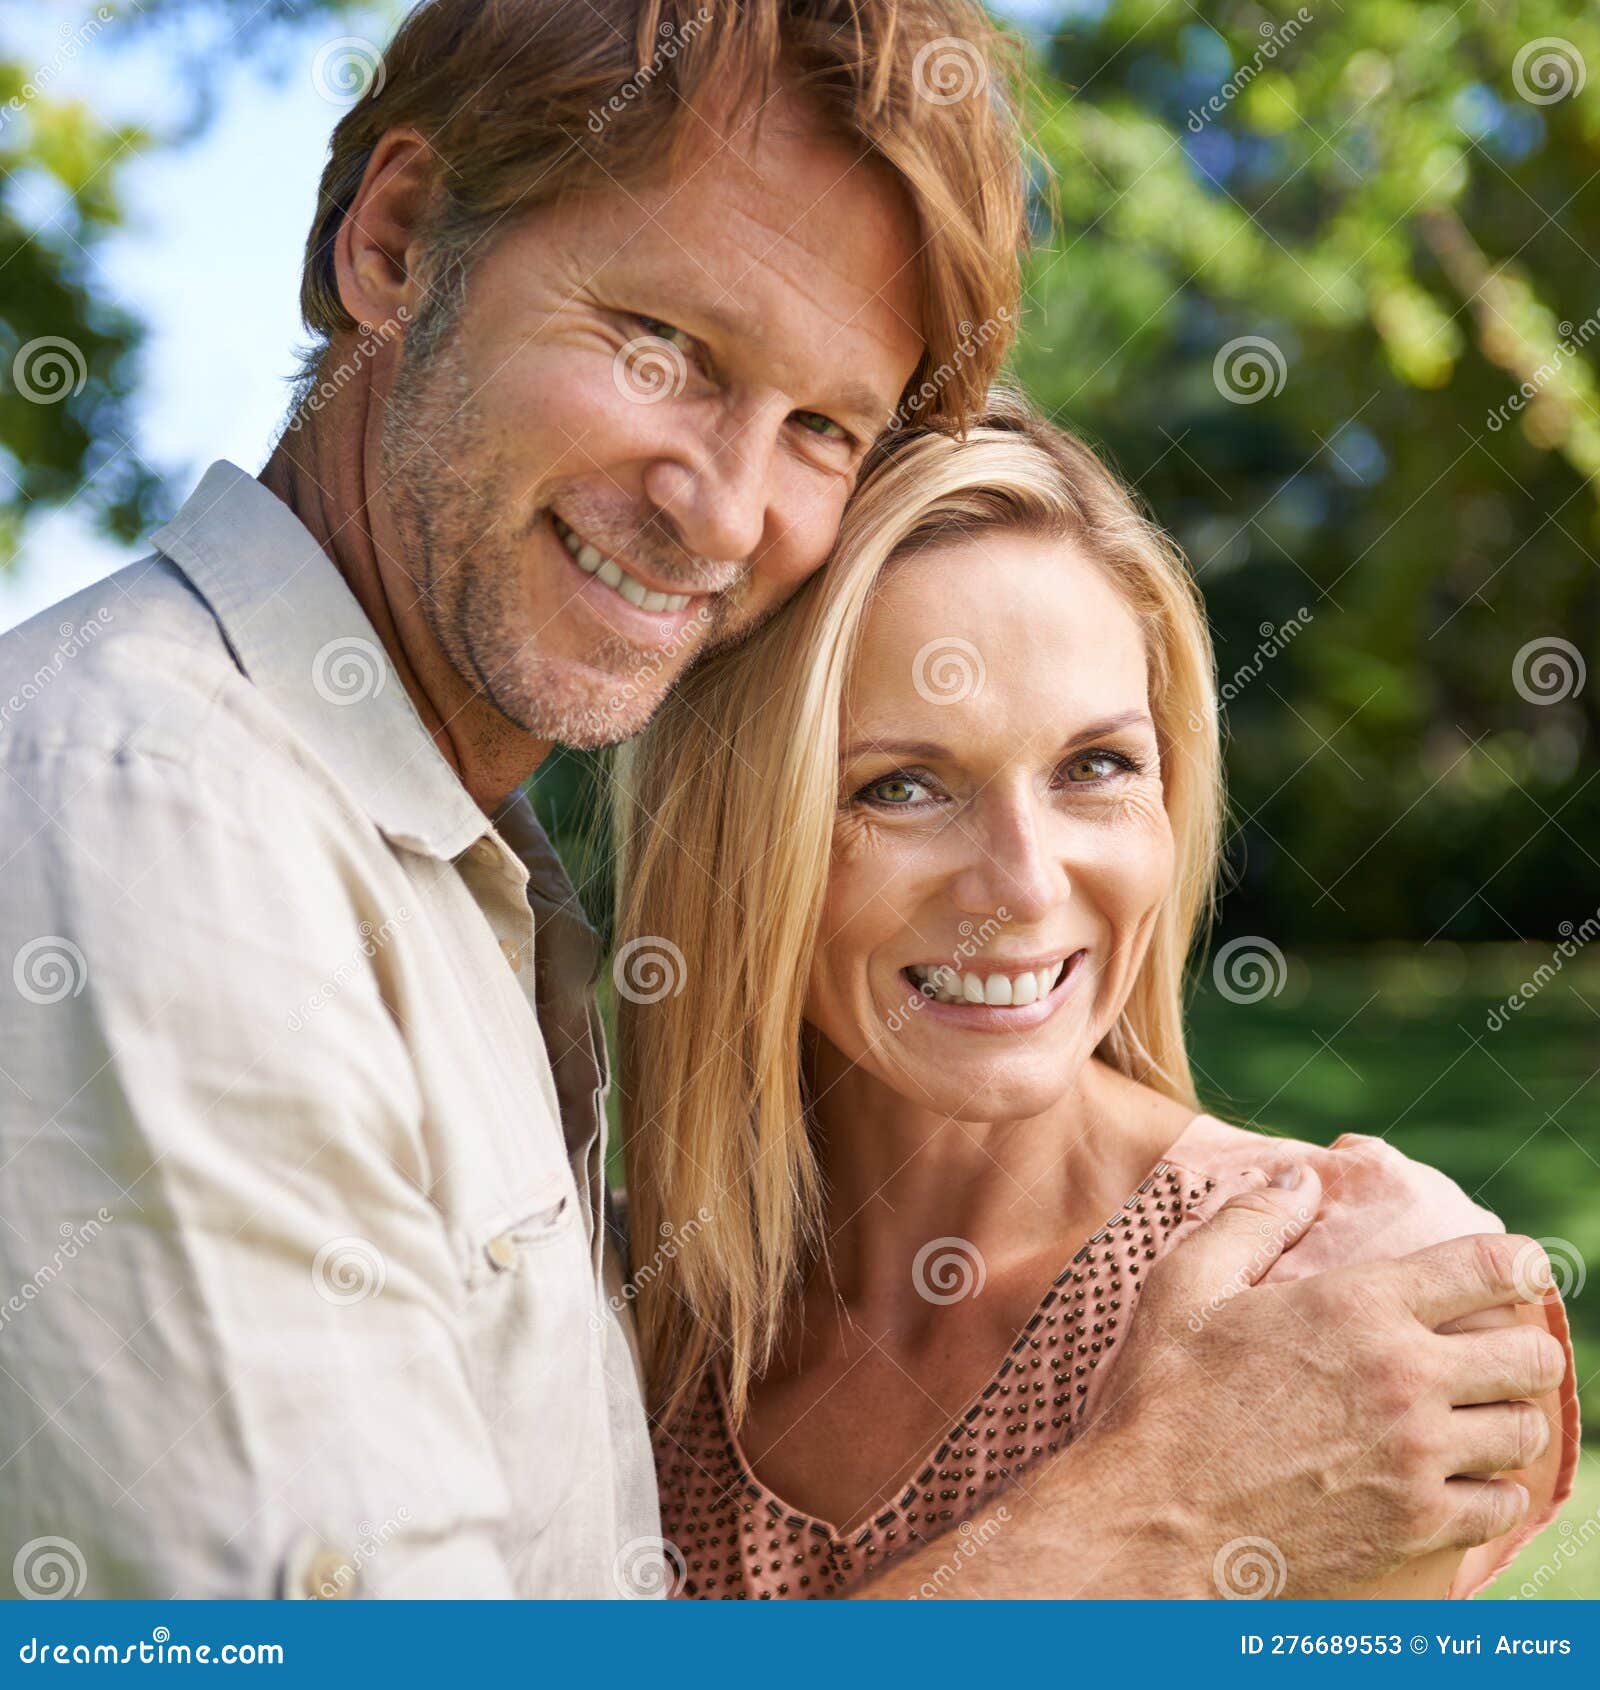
(998,998)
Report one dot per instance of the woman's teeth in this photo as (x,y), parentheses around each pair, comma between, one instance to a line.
(948,985)
(608,570)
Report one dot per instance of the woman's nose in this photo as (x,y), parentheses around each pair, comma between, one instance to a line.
(1012,867)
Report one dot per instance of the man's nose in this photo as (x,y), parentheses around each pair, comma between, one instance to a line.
(716,488)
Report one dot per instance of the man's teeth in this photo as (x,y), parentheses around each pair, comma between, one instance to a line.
(948,985)
(606,569)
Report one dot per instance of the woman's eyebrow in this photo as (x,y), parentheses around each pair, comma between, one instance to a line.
(1110,724)
(934,751)
(896,748)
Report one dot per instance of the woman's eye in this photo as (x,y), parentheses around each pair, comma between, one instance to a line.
(1095,765)
(894,792)
(824,427)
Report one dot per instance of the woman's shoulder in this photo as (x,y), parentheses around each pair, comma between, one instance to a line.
(1377,1202)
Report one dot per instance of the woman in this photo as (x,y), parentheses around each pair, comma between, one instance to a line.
(934,847)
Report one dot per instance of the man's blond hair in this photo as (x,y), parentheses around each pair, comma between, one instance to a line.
(522,100)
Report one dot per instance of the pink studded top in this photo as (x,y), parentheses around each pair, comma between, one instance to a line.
(728,1535)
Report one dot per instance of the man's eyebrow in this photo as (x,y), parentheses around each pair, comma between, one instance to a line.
(934,751)
(853,399)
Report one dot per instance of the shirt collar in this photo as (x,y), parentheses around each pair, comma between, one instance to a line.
(300,634)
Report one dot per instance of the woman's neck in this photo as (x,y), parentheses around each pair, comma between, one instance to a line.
(899,1177)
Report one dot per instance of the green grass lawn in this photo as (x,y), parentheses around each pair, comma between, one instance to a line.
(1396,1042)
(1564,1560)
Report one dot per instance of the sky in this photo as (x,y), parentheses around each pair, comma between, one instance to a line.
(209,259)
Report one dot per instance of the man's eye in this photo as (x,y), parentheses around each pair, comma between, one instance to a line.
(815,423)
(665,331)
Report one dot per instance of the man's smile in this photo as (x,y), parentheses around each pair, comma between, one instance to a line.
(622,580)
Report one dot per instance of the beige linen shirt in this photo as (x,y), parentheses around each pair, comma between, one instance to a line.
(305,1286)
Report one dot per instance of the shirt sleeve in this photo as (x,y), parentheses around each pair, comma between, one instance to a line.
(231,1360)
(1379,1204)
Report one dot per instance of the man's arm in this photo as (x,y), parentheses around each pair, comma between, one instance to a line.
(1299,1440)
(236,1370)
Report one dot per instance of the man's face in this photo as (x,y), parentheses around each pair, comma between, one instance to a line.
(638,437)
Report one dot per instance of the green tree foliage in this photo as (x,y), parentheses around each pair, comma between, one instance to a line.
(1323,281)
(1319,278)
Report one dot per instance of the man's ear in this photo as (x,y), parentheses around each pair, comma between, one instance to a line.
(375,256)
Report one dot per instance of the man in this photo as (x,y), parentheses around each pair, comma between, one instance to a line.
(302,1105)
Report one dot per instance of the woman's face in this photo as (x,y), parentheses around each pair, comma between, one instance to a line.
(1002,847)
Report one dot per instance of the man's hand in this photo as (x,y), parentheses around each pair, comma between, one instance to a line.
(1329,1416)
(1328,1419)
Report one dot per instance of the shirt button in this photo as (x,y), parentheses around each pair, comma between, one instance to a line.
(502,1250)
(486,851)
(512,952)
(329,1576)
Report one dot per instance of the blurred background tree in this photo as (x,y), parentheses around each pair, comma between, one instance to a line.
(1302,262)
(1385,210)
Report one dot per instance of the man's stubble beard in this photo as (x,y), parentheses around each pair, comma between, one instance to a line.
(450,504)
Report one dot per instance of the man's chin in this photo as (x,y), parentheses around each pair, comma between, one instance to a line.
(581,708)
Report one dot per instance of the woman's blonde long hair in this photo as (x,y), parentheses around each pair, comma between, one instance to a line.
(725,810)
